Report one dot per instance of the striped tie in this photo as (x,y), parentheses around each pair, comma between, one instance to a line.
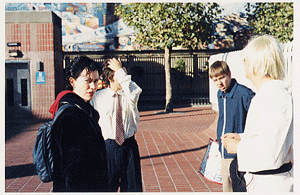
(119,123)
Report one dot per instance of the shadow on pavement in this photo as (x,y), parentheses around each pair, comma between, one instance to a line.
(17,120)
(174,116)
(20,171)
(172,153)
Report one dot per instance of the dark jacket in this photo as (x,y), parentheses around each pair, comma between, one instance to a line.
(79,155)
(237,100)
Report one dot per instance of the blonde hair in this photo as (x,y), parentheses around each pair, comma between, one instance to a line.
(263,55)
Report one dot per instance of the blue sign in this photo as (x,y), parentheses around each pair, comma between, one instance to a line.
(40,78)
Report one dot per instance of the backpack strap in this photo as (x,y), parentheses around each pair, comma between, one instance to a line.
(67,103)
(60,110)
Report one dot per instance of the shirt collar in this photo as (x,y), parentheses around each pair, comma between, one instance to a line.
(229,94)
(112,92)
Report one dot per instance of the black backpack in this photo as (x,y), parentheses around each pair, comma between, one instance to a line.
(42,155)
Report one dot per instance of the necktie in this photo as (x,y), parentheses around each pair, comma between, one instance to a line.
(119,122)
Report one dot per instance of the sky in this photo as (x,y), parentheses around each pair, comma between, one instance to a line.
(232,7)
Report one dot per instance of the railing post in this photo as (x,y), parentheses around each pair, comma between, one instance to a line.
(129,61)
(67,61)
(195,73)
(195,65)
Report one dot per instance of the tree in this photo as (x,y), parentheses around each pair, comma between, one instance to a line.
(272,18)
(167,25)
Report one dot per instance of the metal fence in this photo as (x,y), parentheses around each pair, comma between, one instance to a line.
(288,53)
(190,86)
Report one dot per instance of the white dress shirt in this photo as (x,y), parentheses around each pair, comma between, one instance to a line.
(267,142)
(104,101)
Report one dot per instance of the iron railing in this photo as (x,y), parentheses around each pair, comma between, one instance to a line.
(147,70)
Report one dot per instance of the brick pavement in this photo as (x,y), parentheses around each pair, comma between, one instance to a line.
(172,147)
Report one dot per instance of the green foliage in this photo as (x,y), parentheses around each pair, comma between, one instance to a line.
(272,18)
(161,25)
(180,65)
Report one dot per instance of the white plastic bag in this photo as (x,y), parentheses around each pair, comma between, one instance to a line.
(211,164)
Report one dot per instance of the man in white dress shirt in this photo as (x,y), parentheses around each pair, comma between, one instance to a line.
(123,157)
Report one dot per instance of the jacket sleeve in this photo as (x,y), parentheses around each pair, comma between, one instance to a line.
(131,89)
(247,97)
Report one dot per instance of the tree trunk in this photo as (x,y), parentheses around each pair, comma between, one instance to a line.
(169,105)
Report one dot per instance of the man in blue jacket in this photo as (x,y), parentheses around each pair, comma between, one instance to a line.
(234,101)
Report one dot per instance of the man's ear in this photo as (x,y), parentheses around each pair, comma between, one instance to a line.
(111,78)
(72,81)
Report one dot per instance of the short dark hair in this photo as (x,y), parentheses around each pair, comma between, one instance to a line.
(218,68)
(107,73)
(75,68)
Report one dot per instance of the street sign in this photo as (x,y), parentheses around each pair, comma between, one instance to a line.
(40,78)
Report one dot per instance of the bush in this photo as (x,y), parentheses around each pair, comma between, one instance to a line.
(180,65)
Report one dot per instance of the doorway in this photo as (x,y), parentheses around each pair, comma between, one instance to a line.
(17,85)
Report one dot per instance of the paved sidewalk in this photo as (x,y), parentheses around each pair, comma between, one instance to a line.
(172,147)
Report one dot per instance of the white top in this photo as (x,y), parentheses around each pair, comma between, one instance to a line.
(267,141)
(105,103)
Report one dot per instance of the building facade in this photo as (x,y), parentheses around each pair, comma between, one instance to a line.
(33,61)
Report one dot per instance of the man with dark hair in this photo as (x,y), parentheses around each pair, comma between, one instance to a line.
(117,106)
(234,101)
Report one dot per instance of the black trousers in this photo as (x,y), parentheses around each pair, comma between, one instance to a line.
(124,168)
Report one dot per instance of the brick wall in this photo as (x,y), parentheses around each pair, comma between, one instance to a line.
(40,42)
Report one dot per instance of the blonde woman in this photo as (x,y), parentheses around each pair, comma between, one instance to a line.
(265,149)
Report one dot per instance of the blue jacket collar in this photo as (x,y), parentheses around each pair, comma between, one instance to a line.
(232,89)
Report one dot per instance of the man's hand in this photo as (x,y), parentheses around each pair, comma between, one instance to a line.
(230,142)
(231,145)
(231,136)
(114,64)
